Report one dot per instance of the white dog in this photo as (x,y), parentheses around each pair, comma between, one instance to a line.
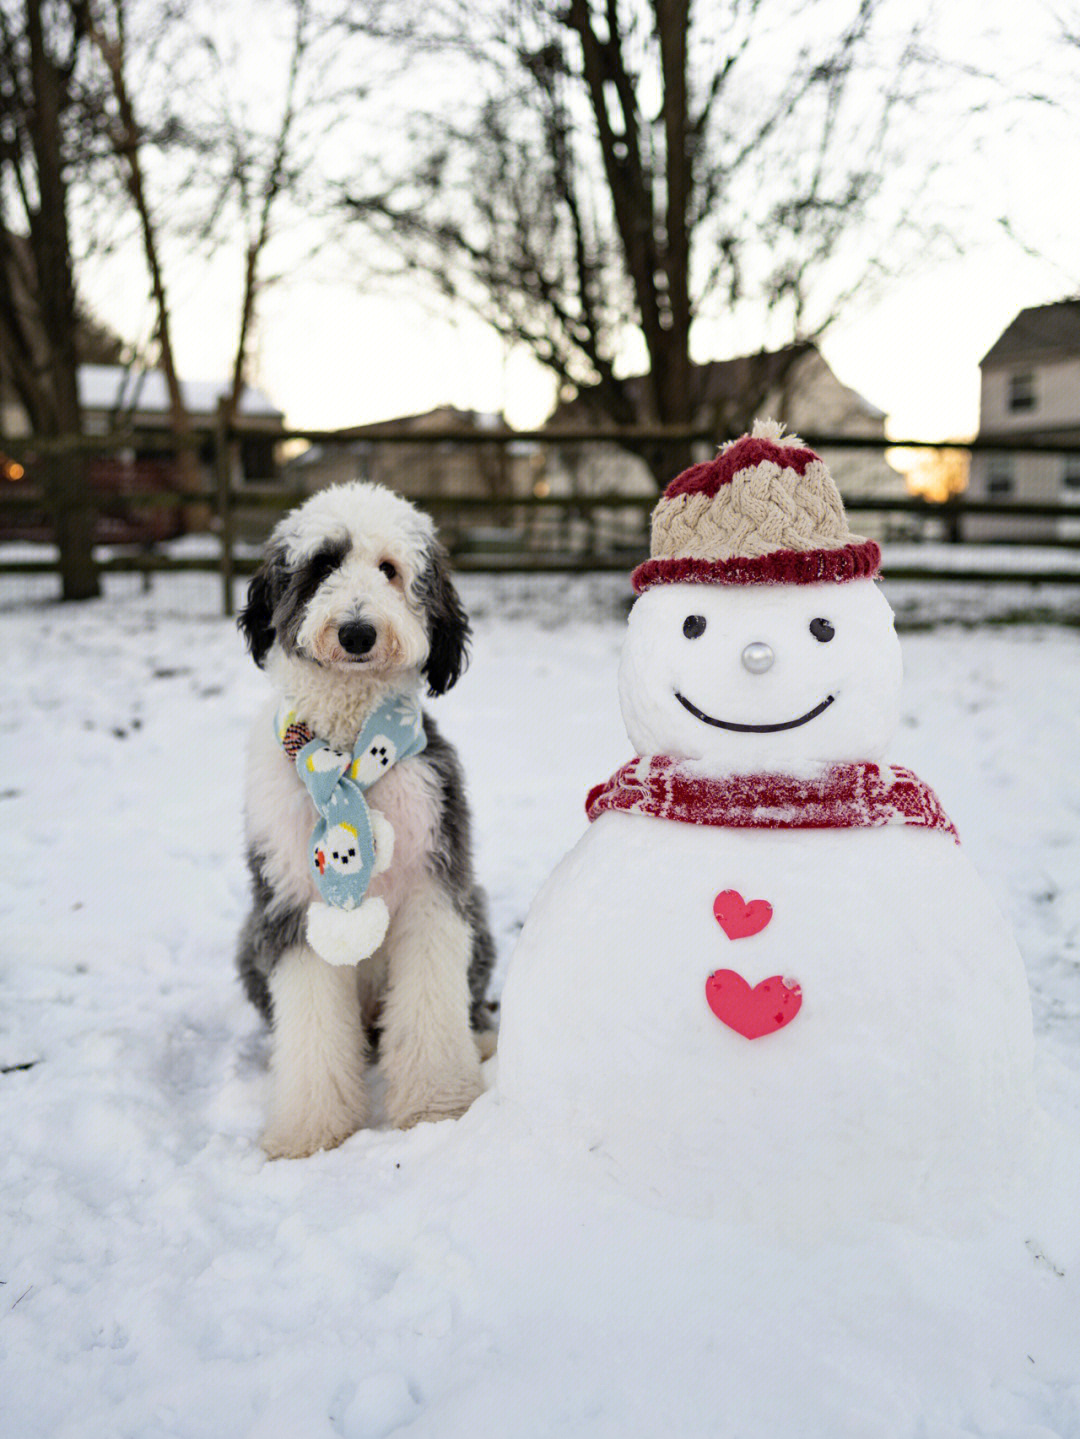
(353,604)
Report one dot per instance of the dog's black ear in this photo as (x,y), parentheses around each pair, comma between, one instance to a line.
(264,591)
(448,625)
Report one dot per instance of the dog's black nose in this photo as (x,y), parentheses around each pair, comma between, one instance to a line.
(356,637)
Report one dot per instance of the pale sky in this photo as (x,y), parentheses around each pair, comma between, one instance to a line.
(330,355)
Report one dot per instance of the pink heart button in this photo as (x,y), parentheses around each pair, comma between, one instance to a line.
(767,1007)
(737,918)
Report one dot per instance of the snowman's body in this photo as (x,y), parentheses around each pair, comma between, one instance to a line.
(905,1074)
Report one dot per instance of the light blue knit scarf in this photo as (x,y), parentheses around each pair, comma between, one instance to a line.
(350,843)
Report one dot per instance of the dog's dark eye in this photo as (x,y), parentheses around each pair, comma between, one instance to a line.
(693,626)
(323,564)
(822,631)
(389,569)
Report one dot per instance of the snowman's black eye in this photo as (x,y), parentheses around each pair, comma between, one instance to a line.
(822,631)
(693,625)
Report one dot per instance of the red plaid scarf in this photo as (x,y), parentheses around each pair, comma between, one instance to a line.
(847,796)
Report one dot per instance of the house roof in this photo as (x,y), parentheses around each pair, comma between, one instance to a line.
(1040,331)
(720,382)
(144,392)
(443,417)
(722,378)
(360,439)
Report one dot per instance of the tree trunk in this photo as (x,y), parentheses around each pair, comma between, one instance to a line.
(187,464)
(655,245)
(67,490)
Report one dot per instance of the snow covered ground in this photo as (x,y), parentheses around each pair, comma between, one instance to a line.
(159,1277)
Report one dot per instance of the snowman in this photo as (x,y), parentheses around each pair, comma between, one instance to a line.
(767,982)
(339,849)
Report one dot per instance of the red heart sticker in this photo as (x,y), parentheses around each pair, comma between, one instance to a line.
(737,918)
(767,1007)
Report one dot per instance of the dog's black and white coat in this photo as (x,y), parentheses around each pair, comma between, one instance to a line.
(353,601)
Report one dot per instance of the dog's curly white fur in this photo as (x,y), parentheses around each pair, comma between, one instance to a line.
(354,601)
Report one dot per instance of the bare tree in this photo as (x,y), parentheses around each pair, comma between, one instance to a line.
(41,48)
(262,173)
(249,161)
(128,141)
(631,168)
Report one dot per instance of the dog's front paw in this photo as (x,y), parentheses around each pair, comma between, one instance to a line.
(281,1143)
(450,1101)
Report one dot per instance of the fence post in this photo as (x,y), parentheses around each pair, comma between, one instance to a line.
(953,521)
(223,471)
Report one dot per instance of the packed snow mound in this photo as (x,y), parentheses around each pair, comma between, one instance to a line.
(903,1082)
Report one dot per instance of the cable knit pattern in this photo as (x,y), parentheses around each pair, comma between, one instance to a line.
(764,508)
(764,497)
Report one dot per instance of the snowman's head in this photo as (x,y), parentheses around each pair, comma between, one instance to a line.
(761,677)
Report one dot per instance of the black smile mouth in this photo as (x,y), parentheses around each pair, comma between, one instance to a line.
(754,728)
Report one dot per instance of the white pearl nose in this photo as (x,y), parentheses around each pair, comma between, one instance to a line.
(757,657)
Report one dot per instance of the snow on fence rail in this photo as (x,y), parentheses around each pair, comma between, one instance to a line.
(498,513)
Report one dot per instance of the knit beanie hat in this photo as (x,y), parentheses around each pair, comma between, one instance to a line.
(765,511)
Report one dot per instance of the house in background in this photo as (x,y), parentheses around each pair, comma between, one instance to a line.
(1030,391)
(114,397)
(23,339)
(123,397)
(136,401)
(431,468)
(795,385)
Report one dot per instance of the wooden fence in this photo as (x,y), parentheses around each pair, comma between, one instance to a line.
(527,532)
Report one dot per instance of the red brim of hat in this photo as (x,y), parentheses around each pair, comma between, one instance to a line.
(860,561)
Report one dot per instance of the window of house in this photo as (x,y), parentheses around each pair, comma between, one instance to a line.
(1022,390)
(1000,481)
(1070,475)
